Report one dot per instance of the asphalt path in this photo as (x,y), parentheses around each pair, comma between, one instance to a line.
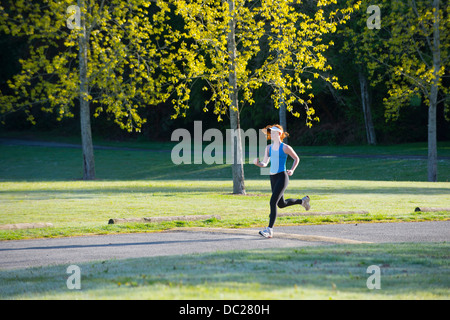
(73,250)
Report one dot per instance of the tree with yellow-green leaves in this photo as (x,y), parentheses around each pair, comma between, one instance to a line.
(221,43)
(409,52)
(118,56)
(105,55)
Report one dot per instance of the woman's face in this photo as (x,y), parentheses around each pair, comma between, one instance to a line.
(275,135)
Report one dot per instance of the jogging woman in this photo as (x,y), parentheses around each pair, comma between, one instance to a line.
(277,153)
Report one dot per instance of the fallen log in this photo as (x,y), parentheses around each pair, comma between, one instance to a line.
(16,226)
(425,209)
(162,219)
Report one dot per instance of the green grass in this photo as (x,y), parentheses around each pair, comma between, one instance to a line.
(408,271)
(42,185)
(22,163)
(407,149)
(79,207)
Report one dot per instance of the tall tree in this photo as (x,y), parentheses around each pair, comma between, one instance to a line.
(366,107)
(85,115)
(221,45)
(410,53)
(358,40)
(105,54)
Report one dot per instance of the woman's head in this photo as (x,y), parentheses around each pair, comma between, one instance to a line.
(275,129)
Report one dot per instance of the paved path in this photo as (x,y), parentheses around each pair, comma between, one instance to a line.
(44,252)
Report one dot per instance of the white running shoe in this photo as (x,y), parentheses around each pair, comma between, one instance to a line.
(267,232)
(305,203)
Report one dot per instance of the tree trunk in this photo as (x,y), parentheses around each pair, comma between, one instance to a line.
(237,167)
(432,140)
(370,130)
(282,111)
(283,122)
(85,118)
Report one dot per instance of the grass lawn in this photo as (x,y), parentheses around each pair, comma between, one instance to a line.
(39,184)
(408,271)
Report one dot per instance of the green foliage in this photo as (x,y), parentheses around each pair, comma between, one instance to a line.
(400,54)
(293,58)
(123,58)
(143,53)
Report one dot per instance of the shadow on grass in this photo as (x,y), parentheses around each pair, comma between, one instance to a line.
(408,270)
(64,164)
(210,187)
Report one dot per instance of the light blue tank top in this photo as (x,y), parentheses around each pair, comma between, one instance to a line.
(277,160)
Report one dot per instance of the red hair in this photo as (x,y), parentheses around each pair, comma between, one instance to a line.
(283,133)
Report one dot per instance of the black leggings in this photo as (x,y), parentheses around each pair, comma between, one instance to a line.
(279,183)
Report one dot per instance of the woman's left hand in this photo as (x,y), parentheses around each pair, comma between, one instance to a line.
(290,172)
